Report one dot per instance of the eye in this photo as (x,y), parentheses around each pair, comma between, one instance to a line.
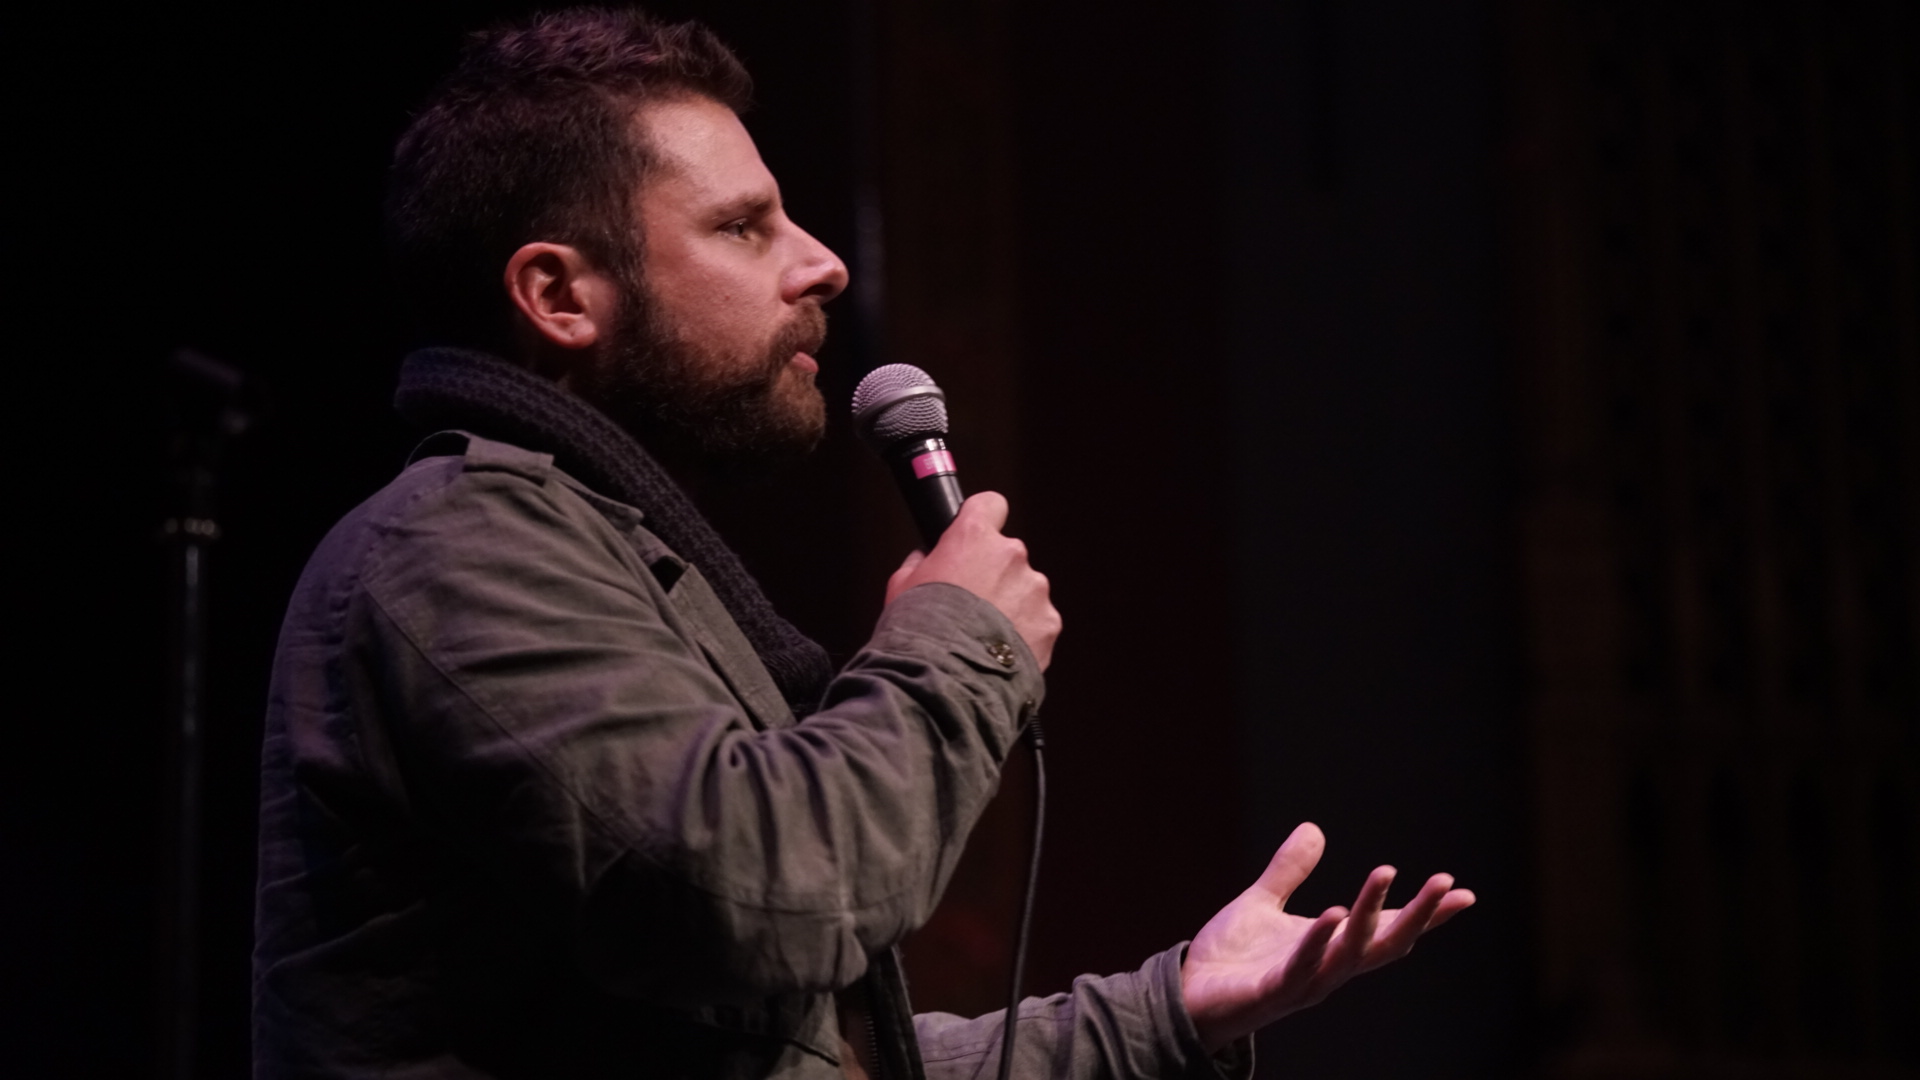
(737,229)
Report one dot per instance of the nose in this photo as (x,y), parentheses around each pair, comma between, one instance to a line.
(815,272)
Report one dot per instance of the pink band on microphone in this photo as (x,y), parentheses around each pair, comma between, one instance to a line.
(934,463)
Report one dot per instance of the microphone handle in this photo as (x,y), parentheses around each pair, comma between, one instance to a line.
(924,470)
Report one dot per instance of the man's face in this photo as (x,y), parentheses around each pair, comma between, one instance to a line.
(713,353)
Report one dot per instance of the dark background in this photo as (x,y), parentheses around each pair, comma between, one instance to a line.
(1487,430)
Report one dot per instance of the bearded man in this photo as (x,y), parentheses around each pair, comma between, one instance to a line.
(549,790)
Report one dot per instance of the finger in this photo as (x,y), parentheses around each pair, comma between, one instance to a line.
(1455,902)
(897,582)
(1410,922)
(1304,965)
(1294,861)
(1357,935)
(985,510)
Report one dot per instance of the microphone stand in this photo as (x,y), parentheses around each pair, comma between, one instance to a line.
(210,407)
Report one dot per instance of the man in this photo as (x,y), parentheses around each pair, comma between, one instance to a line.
(548,788)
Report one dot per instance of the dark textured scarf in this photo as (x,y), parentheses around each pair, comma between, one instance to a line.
(456,388)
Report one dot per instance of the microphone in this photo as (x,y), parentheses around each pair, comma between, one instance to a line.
(901,414)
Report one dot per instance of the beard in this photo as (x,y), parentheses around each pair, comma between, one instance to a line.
(692,402)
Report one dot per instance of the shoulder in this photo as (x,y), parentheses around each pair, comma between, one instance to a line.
(492,512)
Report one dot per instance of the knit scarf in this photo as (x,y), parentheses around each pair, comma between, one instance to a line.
(444,388)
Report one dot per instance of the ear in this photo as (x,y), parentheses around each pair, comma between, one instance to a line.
(561,295)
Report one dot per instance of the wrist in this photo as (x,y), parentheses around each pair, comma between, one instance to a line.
(1213,1033)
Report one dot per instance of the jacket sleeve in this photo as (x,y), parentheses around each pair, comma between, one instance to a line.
(552,719)
(1120,1027)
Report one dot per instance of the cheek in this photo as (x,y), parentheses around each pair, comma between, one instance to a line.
(709,271)
(704,296)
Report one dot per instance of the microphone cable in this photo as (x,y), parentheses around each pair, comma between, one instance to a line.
(1038,742)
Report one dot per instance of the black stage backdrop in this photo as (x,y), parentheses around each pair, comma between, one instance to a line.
(1254,310)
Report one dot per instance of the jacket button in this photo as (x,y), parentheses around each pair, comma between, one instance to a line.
(1002,652)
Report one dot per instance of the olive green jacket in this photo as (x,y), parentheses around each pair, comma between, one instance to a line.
(531,807)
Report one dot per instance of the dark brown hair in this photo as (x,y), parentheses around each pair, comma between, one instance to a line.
(532,138)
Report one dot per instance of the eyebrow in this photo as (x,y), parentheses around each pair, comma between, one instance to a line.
(758,205)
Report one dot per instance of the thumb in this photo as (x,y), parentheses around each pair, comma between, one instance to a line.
(1294,861)
(986,510)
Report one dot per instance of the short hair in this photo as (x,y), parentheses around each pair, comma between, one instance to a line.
(532,137)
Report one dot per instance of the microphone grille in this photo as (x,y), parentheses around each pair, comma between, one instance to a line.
(898,401)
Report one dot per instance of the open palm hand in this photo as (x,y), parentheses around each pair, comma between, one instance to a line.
(1254,962)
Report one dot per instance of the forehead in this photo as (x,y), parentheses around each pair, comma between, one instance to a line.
(704,153)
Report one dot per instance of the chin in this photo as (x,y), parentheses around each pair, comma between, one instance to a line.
(806,413)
